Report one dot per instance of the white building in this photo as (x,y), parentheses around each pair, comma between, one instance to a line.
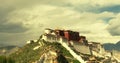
(81,48)
(31,41)
(49,37)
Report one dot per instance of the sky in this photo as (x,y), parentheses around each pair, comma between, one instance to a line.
(23,20)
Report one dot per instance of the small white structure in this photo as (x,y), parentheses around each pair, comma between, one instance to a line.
(28,42)
(31,41)
(108,54)
(44,37)
(97,54)
(41,44)
(53,33)
(62,39)
(35,40)
(35,48)
(48,31)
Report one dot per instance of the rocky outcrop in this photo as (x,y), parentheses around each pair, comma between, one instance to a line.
(52,57)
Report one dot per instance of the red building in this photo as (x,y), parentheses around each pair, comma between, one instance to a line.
(69,35)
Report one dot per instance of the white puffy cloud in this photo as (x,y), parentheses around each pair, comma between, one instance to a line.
(114,26)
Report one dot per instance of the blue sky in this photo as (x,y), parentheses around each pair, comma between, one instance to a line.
(114,9)
(25,20)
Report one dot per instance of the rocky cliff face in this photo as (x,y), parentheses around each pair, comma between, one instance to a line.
(52,57)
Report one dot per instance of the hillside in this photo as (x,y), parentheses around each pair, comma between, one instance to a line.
(110,46)
(115,48)
(7,50)
(63,46)
(27,54)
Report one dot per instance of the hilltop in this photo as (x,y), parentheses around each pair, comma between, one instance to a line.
(63,46)
(30,53)
(110,46)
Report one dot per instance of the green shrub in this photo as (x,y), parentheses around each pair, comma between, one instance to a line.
(4,59)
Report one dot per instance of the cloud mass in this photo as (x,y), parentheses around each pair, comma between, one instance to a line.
(24,20)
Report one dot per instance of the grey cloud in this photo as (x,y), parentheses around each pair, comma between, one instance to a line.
(114,27)
(4,12)
(12,28)
(12,39)
(115,31)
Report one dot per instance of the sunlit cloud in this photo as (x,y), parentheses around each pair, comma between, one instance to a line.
(26,20)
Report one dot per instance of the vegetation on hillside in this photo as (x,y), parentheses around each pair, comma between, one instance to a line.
(28,55)
(5,59)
